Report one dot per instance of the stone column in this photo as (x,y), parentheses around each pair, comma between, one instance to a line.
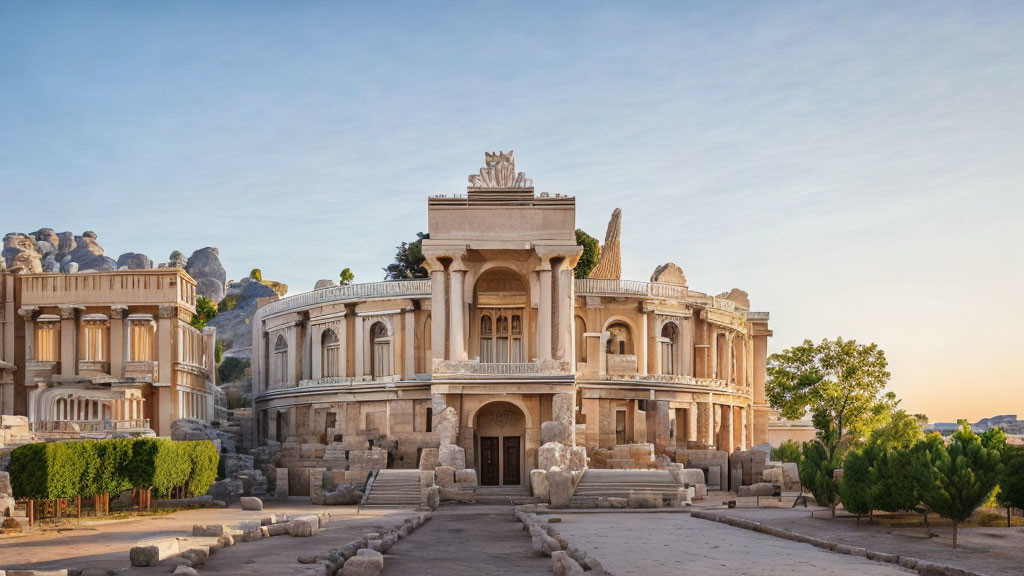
(743,429)
(730,434)
(68,341)
(653,337)
(686,343)
(640,342)
(691,414)
(410,344)
(165,352)
(341,329)
(457,322)
(716,425)
(29,314)
(705,423)
(439,310)
(358,334)
(544,311)
(316,350)
(119,336)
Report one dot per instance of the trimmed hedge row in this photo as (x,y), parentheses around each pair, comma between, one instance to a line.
(68,469)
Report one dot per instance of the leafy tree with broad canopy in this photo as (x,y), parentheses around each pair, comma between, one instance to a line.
(591,253)
(409,260)
(346,277)
(955,479)
(840,382)
(206,310)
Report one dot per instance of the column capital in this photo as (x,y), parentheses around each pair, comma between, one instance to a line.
(28,312)
(118,311)
(68,312)
(168,311)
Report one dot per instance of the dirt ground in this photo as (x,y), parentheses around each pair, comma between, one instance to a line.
(106,545)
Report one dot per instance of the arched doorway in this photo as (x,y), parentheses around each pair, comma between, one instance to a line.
(500,433)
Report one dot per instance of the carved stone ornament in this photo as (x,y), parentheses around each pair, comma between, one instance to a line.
(501,418)
(499,172)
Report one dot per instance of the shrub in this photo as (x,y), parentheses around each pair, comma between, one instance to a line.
(232,369)
(855,486)
(788,451)
(227,303)
(817,474)
(256,274)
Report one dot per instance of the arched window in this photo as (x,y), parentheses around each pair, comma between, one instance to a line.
(501,297)
(581,344)
(380,350)
(669,345)
(620,340)
(280,368)
(486,339)
(330,354)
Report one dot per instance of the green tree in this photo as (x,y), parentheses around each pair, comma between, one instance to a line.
(840,382)
(591,253)
(855,485)
(954,480)
(206,310)
(892,483)
(256,274)
(1011,482)
(346,277)
(788,451)
(218,351)
(409,260)
(817,473)
(232,370)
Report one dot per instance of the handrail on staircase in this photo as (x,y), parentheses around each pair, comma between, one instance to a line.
(370,477)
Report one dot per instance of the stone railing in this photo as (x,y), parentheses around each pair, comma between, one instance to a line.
(351,292)
(342,381)
(758,316)
(90,425)
(711,383)
(93,367)
(601,287)
(472,367)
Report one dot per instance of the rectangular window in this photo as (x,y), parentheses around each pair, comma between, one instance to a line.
(95,341)
(47,342)
(141,334)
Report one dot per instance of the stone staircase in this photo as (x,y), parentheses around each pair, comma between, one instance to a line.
(395,488)
(507,495)
(619,483)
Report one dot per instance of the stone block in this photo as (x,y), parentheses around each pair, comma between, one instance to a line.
(759,489)
(209,530)
(644,500)
(278,529)
(316,485)
(269,520)
(304,526)
(700,490)
(466,478)
(554,431)
(433,497)
(452,455)
(5,484)
(251,503)
(196,555)
(281,483)
(539,484)
(6,506)
(366,562)
(553,454)
(429,459)
(153,552)
(560,487)
(445,477)
(617,502)
(457,495)
(426,478)
(446,424)
(577,458)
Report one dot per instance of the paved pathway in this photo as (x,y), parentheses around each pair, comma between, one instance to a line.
(664,544)
(467,541)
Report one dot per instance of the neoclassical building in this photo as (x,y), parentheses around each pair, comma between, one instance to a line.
(503,333)
(104,352)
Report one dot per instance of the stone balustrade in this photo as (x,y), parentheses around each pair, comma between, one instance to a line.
(349,293)
(472,367)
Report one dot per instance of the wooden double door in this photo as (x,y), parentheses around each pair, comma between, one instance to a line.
(499,460)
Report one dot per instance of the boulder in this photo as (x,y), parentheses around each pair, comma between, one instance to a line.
(88,254)
(185,571)
(251,503)
(759,489)
(433,496)
(563,565)
(553,454)
(196,555)
(366,562)
(234,326)
(205,267)
(343,495)
(560,487)
(452,455)
(539,484)
(134,261)
(554,431)
(228,490)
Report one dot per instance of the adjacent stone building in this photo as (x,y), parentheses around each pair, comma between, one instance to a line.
(103,352)
(500,339)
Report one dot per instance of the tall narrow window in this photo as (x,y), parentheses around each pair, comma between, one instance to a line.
(517,338)
(280,360)
(94,338)
(501,342)
(380,350)
(486,339)
(141,344)
(669,339)
(330,355)
(47,341)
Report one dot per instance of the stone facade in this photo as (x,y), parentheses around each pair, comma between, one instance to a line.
(501,342)
(103,353)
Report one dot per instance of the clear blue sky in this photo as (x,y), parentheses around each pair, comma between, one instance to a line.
(857,167)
